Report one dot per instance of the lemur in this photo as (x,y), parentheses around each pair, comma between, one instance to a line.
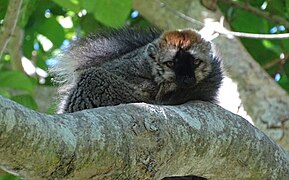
(131,65)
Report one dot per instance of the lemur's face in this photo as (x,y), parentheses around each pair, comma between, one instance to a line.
(181,58)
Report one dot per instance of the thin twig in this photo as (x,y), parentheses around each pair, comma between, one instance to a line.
(276,61)
(247,7)
(10,21)
(218,27)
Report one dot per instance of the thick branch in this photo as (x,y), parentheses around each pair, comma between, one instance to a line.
(15,49)
(10,22)
(137,141)
(262,98)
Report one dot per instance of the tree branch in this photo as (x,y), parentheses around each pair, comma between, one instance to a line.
(136,141)
(9,24)
(15,49)
(277,61)
(245,6)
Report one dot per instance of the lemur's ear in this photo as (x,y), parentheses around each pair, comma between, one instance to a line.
(151,50)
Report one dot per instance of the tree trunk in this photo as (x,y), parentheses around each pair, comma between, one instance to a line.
(137,141)
(264,101)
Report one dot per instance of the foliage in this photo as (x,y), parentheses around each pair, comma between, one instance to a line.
(272,55)
(9,177)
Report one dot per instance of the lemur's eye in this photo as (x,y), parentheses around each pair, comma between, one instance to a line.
(170,64)
(197,61)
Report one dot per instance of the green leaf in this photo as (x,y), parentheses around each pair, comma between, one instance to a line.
(270,45)
(52,30)
(3,8)
(89,24)
(256,3)
(276,7)
(255,25)
(26,100)
(28,43)
(109,12)
(16,80)
(9,177)
(258,50)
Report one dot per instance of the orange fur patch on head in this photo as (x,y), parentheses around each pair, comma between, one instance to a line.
(181,39)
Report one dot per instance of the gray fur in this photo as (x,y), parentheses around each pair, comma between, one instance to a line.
(126,66)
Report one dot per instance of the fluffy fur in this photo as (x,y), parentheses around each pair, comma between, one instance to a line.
(137,65)
(105,69)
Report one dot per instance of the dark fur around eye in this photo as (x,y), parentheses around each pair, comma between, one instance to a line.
(170,64)
(197,62)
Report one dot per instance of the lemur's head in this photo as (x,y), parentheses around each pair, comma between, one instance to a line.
(182,58)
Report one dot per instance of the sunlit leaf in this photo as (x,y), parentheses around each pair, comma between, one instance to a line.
(273,47)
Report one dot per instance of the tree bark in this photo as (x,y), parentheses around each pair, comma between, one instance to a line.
(136,141)
(264,101)
(10,21)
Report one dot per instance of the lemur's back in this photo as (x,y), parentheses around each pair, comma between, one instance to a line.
(117,55)
(111,44)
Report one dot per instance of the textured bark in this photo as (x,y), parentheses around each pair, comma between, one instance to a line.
(11,18)
(265,102)
(136,141)
(15,48)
